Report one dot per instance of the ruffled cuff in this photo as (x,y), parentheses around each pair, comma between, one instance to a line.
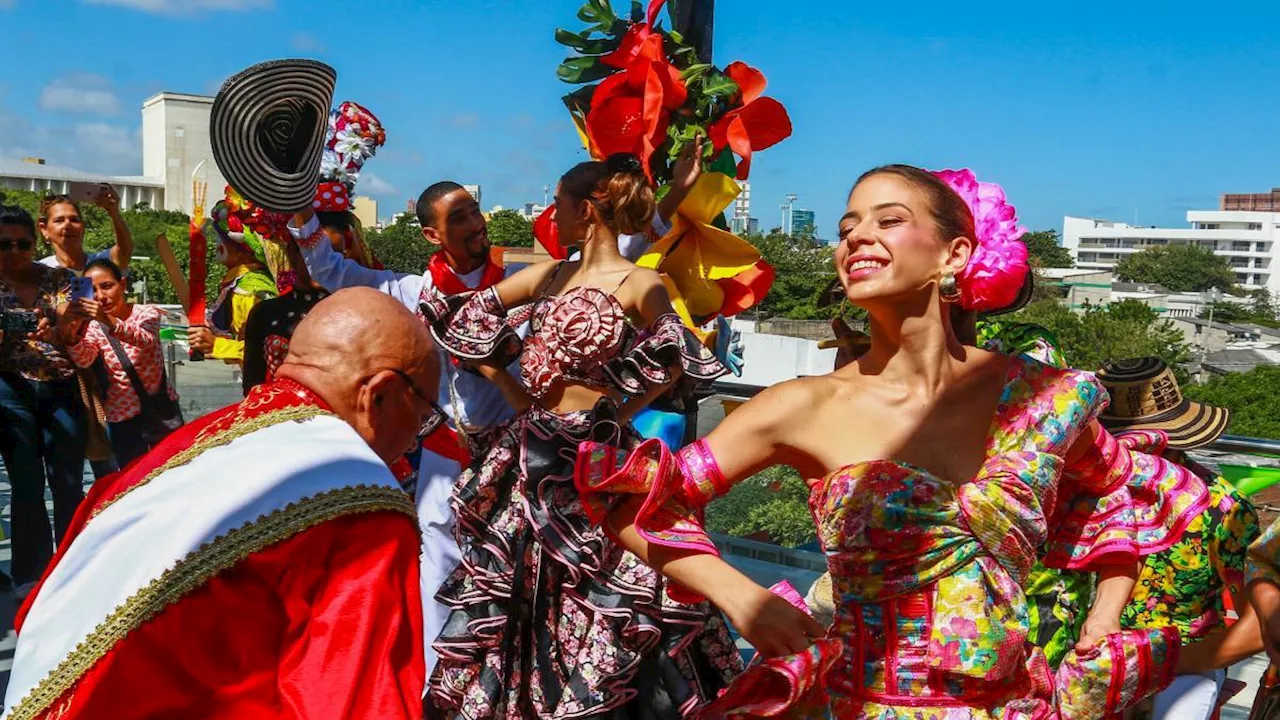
(791,686)
(651,362)
(472,327)
(1121,670)
(309,235)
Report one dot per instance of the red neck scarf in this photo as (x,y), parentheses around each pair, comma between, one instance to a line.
(447,282)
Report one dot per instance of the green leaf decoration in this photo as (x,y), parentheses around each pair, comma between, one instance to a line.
(585,44)
(694,72)
(718,85)
(578,70)
(724,163)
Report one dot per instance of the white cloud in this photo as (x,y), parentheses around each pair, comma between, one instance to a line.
(80,93)
(370,184)
(184,7)
(307,43)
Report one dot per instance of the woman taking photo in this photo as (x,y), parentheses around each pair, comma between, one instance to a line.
(42,420)
(550,618)
(62,226)
(939,474)
(141,407)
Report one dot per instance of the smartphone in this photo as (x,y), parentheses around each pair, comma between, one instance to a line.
(84,192)
(19,321)
(81,289)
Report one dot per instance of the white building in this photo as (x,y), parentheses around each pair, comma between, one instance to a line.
(34,175)
(740,223)
(1247,240)
(474,190)
(175,140)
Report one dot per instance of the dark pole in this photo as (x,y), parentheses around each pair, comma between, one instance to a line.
(695,20)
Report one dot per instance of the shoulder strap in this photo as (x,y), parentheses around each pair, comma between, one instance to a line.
(542,291)
(625,278)
(129,369)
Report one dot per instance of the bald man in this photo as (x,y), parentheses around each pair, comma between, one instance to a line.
(262,561)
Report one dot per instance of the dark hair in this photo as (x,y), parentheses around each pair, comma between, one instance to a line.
(617,188)
(425,209)
(107,265)
(50,200)
(340,220)
(14,215)
(949,211)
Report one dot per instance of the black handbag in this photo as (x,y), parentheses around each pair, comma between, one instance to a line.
(160,414)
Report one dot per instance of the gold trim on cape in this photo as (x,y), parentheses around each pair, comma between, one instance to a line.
(197,568)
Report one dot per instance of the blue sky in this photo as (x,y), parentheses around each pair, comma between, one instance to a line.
(1106,109)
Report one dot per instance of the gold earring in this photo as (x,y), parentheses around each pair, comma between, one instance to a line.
(948,288)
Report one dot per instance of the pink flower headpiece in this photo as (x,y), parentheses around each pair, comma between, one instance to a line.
(998,265)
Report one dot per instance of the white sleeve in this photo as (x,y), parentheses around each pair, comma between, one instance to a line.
(334,272)
(633,247)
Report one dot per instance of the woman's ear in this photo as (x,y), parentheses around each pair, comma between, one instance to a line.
(959,251)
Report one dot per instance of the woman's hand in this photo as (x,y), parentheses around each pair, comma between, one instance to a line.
(94,310)
(1096,627)
(200,339)
(772,625)
(108,200)
(43,331)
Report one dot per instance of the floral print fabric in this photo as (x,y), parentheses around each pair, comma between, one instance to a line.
(1182,586)
(35,359)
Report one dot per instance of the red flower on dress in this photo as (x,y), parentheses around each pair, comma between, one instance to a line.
(583,322)
(535,366)
(759,123)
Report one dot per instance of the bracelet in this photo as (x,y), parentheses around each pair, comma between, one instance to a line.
(702,479)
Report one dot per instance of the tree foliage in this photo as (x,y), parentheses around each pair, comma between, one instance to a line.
(773,503)
(1260,310)
(508,228)
(803,271)
(1251,396)
(400,246)
(1045,251)
(1180,268)
(1105,333)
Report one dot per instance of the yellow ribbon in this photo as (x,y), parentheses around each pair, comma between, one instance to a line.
(696,253)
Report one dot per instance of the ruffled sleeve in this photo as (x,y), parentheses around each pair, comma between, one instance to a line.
(652,361)
(1120,501)
(472,326)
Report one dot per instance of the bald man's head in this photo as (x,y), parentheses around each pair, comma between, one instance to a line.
(372,361)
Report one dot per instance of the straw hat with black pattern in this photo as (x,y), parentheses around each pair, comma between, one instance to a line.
(267,129)
(1145,396)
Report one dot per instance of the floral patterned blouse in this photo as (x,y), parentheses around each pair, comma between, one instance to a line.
(1182,586)
(33,359)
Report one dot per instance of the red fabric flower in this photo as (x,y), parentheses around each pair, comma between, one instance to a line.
(548,233)
(759,123)
(268,225)
(630,110)
(635,39)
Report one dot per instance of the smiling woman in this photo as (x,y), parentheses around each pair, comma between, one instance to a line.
(934,470)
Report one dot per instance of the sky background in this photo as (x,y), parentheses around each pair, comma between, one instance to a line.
(1116,109)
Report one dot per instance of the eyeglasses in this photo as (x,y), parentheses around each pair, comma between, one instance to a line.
(437,416)
(21,245)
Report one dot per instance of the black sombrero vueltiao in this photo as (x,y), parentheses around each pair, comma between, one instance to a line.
(1145,396)
(267,129)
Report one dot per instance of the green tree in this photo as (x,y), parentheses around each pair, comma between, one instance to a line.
(508,228)
(802,272)
(1045,251)
(1105,333)
(400,246)
(1251,396)
(1181,268)
(773,502)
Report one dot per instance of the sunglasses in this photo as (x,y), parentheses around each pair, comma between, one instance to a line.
(21,245)
(437,416)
